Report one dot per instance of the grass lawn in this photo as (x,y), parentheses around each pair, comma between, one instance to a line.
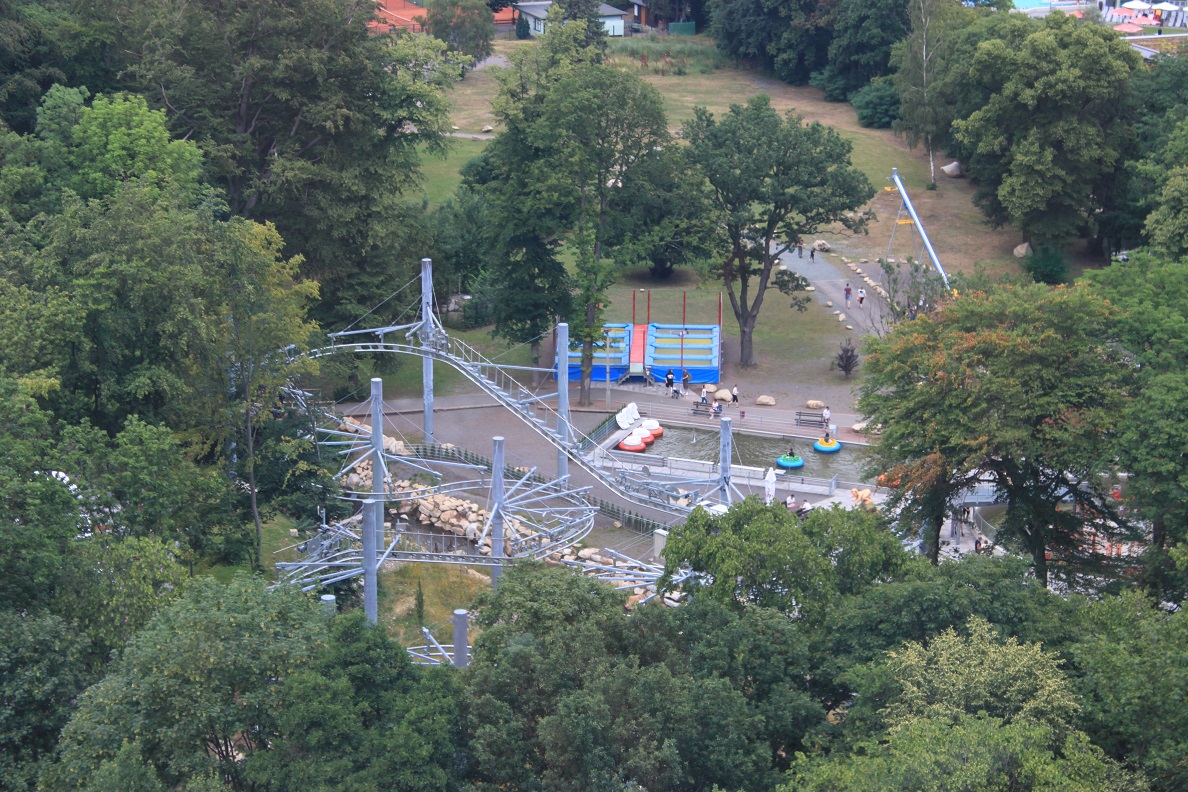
(276,537)
(955,225)
(442,174)
(445,587)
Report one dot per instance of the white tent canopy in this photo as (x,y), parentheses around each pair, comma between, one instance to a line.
(1137,5)
(1165,7)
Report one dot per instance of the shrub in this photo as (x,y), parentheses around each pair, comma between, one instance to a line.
(877,104)
(832,82)
(1046,265)
(522,29)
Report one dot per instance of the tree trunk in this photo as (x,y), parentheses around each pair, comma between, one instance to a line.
(931,530)
(931,160)
(746,337)
(250,441)
(584,397)
(534,352)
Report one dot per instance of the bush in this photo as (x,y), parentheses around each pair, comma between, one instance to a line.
(1046,265)
(522,29)
(877,104)
(832,82)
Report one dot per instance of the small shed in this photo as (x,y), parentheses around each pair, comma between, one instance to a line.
(537,15)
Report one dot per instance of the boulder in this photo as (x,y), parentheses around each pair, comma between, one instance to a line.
(815,404)
(821,245)
(487,129)
(841,317)
(723,395)
(829,303)
(810,288)
(849,327)
(1023,251)
(953,170)
(765,401)
(586,553)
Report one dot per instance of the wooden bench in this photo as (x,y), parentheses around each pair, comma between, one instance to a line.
(701,409)
(810,419)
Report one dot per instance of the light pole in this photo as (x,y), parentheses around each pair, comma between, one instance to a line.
(681,333)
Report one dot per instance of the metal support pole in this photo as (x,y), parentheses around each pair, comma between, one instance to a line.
(725,451)
(427,340)
(329,604)
(497,508)
(911,210)
(461,646)
(373,507)
(563,397)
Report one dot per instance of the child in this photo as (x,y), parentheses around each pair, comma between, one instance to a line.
(734,396)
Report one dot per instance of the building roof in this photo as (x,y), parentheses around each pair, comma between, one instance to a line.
(540,10)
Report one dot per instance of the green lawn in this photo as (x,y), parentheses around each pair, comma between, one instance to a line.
(445,587)
(442,175)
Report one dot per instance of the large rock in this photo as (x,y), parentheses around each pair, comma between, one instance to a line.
(586,553)
(953,170)
(722,395)
(487,129)
(765,401)
(1023,251)
(821,245)
(815,404)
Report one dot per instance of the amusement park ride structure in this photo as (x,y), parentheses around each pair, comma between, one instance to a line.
(550,514)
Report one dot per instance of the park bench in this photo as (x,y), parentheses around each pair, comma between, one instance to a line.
(810,419)
(700,409)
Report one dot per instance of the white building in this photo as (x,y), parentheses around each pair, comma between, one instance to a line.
(537,14)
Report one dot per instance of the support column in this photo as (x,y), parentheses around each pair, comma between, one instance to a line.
(427,340)
(461,645)
(563,397)
(497,508)
(373,507)
(725,452)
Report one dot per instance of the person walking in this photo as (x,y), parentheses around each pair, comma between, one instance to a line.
(734,395)
(800,247)
(705,394)
(849,291)
(669,381)
(861,296)
(812,254)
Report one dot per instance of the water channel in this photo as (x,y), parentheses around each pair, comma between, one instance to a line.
(760,451)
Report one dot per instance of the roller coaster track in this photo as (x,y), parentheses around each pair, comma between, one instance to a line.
(495,381)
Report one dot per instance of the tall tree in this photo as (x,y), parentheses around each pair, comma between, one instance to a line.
(265,331)
(863,36)
(922,65)
(198,686)
(597,125)
(307,119)
(466,26)
(764,556)
(775,180)
(1018,385)
(1042,162)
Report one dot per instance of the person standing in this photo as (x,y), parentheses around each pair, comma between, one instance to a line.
(861,296)
(669,381)
(849,292)
(812,254)
(734,395)
(825,416)
(800,247)
(686,380)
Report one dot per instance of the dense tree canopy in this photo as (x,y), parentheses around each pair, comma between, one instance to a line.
(774,181)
